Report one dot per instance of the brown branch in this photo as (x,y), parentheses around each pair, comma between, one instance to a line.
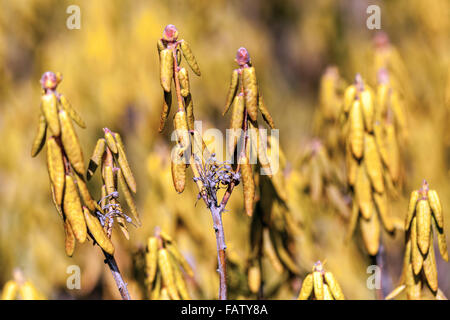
(121,285)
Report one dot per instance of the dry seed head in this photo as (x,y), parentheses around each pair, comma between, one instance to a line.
(242,56)
(170,33)
(50,80)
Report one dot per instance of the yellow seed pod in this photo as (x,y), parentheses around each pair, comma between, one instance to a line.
(55,166)
(110,141)
(363,192)
(10,290)
(49,107)
(413,284)
(250,91)
(382,204)
(160,45)
(270,253)
(334,286)
(70,239)
(108,177)
(96,230)
(85,195)
(165,267)
(367,108)
(167,103)
(123,227)
(353,220)
(351,167)
(436,208)
(356,133)
(373,163)
(155,290)
(73,210)
(254,279)
(442,243)
(380,139)
(395,292)
(181,127)
(183,77)
(411,208)
(71,144)
(382,95)
(232,90)
(429,268)
(370,230)
(265,112)
(164,295)
(151,258)
(128,197)
(173,249)
(179,279)
(125,167)
(57,206)
(178,168)
(416,255)
(315,183)
(281,252)
(166,68)
(97,157)
(327,295)
(190,58)
(28,292)
(39,140)
(189,103)
(423,225)
(237,118)
(399,111)
(392,152)
(248,185)
(318,285)
(349,97)
(71,111)
(307,288)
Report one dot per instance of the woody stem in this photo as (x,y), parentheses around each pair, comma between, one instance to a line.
(121,284)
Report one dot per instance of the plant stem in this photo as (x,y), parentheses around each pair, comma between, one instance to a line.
(121,285)
(216,213)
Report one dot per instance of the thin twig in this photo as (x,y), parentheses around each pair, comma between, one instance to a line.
(121,285)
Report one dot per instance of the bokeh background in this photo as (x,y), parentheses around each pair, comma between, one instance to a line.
(111,76)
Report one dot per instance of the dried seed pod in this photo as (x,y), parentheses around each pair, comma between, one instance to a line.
(307,288)
(166,68)
(248,185)
(392,152)
(382,204)
(151,258)
(351,166)
(442,244)
(363,192)
(49,105)
(189,56)
(181,127)
(73,210)
(179,279)
(370,230)
(435,204)
(70,239)
(334,286)
(55,166)
(327,295)
(165,267)
(71,144)
(85,195)
(10,290)
(39,140)
(164,294)
(167,103)
(71,111)
(416,255)
(232,90)
(155,291)
(183,77)
(173,249)
(429,267)
(28,292)
(127,195)
(125,167)
(96,158)
(189,103)
(96,230)
(318,285)
(356,134)
(160,45)
(178,168)
(110,141)
(373,163)
(367,109)
(254,279)
(265,112)
(353,220)
(250,91)
(380,139)
(423,214)
(108,178)
(411,208)
(349,97)
(237,118)
(413,284)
